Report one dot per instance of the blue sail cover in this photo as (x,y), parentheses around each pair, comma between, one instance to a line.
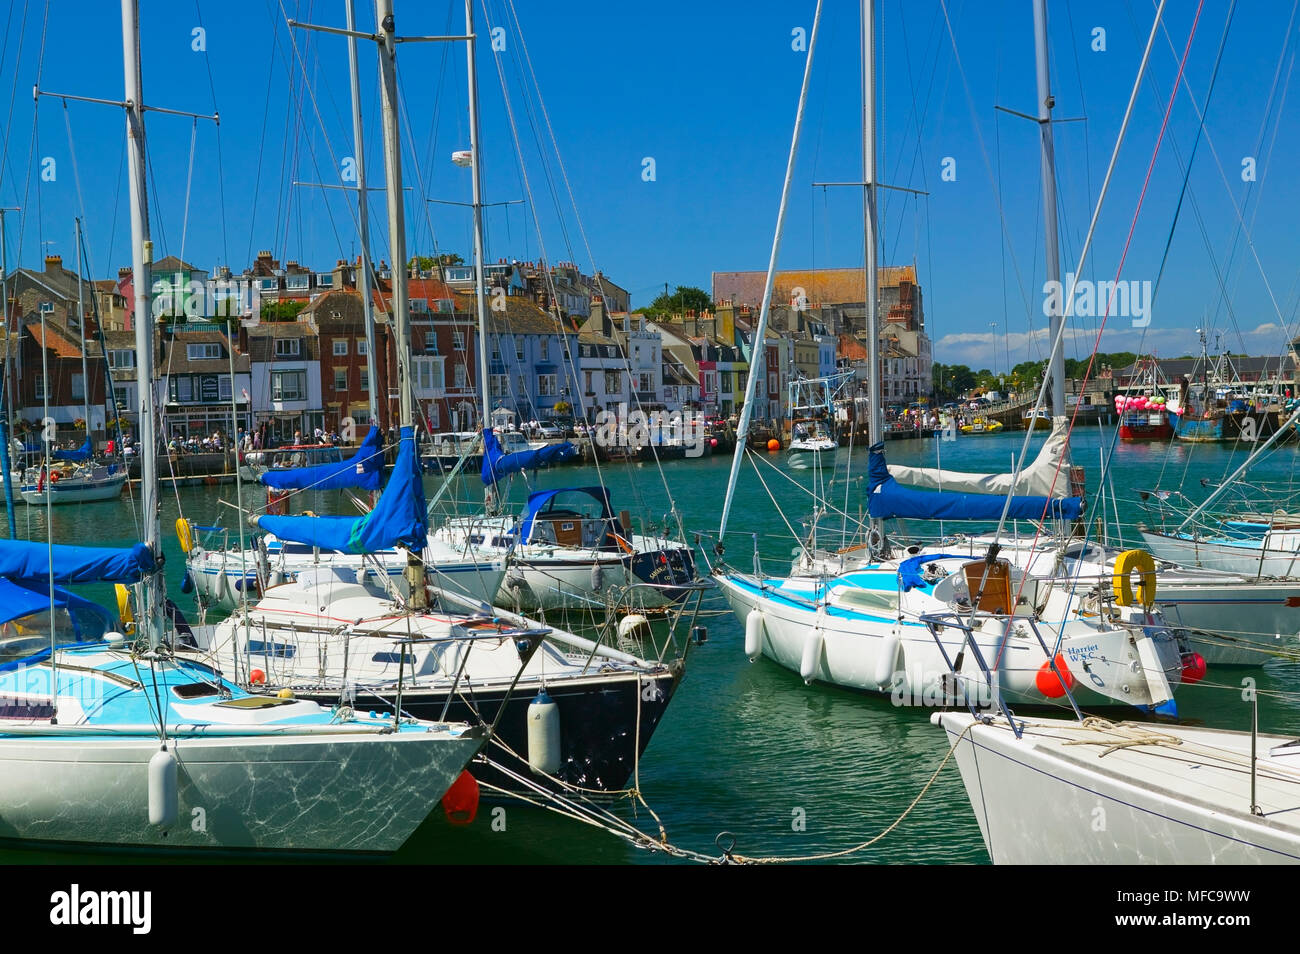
(26,562)
(84,452)
(889,499)
(538,500)
(17,601)
(497,464)
(363,470)
(399,519)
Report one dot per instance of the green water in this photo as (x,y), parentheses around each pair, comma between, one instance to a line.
(748,748)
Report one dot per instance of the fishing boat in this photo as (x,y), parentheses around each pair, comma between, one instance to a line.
(981,425)
(812,412)
(1145,409)
(444,451)
(111,740)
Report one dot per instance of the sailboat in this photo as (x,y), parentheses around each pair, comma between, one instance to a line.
(72,476)
(564,710)
(114,740)
(901,626)
(811,421)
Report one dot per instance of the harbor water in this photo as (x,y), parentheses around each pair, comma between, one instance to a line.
(787,769)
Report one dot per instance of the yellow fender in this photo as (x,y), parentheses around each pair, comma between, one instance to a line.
(124,610)
(185,534)
(1122,584)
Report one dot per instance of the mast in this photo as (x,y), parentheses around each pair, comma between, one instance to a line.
(81,330)
(1056,365)
(397,243)
(7,413)
(141,278)
(363,223)
(476,171)
(758,349)
(876,424)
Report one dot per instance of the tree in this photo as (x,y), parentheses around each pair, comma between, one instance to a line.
(685,298)
(425,263)
(281,310)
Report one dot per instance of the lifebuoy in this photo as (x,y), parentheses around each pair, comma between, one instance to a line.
(54,476)
(185,535)
(1122,583)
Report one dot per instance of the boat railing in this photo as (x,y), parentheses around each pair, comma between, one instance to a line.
(937,623)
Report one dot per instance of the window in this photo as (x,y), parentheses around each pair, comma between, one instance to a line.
(204,351)
(499,384)
(419,306)
(180,388)
(587,381)
(121,397)
(523,386)
(296,281)
(519,347)
(224,388)
(435,417)
(445,306)
(324,279)
(340,347)
(428,375)
(430,342)
(78,387)
(546,385)
(288,347)
(288,385)
(496,348)
(362,349)
(365,379)
(613,382)
(458,339)
(647,382)
(724,381)
(340,379)
(121,358)
(268,284)
(47,308)
(545,348)
(459,377)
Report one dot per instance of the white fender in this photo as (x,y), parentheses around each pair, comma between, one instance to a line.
(543,734)
(219,585)
(754,634)
(887,661)
(163,799)
(812,651)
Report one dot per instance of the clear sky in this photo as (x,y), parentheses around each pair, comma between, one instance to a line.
(707,90)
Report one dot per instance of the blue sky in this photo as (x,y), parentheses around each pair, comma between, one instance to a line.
(708,91)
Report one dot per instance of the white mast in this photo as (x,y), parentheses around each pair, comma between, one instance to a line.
(141,278)
(876,425)
(81,329)
(363,223)
(476,170)
(1056,366)
(758,349)
(397,243)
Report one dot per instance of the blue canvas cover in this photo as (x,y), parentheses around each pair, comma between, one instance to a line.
(891,499)
(399,519)
(363,470)
(84,452)
(537,501)
(498,465)
(30,563)
(910,574)
(17,601)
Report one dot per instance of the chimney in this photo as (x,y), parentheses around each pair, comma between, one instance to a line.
(600,319)
(53,263)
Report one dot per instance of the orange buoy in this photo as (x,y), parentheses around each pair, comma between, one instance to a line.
(460,804)
(774,445)
(256,677)
(1049,683)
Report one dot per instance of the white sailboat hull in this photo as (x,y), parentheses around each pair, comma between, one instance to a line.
(1039,801)
(333,793)
(1230,558)
(901,658)
(75,490)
